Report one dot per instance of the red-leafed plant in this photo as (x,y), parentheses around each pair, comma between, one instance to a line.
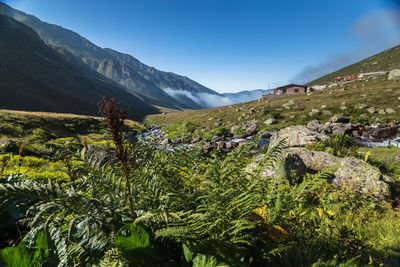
(114,116)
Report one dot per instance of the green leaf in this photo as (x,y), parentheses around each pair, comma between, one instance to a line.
(202,260)
(133,242)
(132,237)
(187,253)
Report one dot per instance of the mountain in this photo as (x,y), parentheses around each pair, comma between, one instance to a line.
(34,77)
(122,68)
(384,61)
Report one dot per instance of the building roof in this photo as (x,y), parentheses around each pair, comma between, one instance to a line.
(290,85)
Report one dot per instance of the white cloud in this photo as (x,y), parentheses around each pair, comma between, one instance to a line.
(212,100)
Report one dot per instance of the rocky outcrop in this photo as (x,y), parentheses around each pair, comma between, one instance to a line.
(316,160)
(359,176)
(297,136)
(290,165)
(394,75)
(348,173)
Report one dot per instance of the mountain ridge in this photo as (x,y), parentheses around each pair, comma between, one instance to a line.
(122,68)
(34,77)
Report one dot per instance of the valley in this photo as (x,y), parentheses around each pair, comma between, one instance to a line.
(107,161)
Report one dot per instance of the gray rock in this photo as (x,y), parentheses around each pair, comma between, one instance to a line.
(270,121)
(216,139)
(389,110)
(196,139)
(371,110)
(361,106)
(339,118)
(290,166)
(314,125)
(316,160)
(394,75)
(297,136)
(358,176)
(382,112)
(251,130)
(165,142)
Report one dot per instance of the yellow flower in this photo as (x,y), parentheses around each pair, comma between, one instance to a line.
(262,212)
(278,234)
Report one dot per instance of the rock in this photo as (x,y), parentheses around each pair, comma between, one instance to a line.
(324,106)
(389,110)
(270,121)
(316,160)
(288,167)
(382,112)
(343,107)
(216,139)
(196,140)
(251,130)
(178,141)
(339,118)
(356,133)
(314,125)
(361,106)
(266,134)
(326,112)
(357,175)
(297,136)
(234,128)
(385,132)
(371,110)
(394,75)
(217,124)
(208,147)
(165,142)
(221,145)
(231,145)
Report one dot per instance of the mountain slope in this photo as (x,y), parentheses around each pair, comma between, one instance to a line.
(384,61)
(34,77)
(124,69)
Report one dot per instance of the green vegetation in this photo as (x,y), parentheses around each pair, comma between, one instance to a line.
(293,110)
(190,208)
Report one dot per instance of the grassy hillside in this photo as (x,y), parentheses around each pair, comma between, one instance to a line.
(21,125)
(384,61)
(34,77)
(380,94)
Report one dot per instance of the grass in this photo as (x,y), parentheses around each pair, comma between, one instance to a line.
(29,126)
(380,94)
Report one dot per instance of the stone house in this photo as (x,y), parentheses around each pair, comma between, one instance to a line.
(291,89)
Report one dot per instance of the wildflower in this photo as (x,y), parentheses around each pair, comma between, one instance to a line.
(278,234)
(262,212)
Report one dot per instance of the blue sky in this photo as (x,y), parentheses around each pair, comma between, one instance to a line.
(232,45)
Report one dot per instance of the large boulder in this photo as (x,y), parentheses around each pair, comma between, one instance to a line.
(394,75)
(357,175)
(288,166)
(316,160)
(352,174)
(297,136)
